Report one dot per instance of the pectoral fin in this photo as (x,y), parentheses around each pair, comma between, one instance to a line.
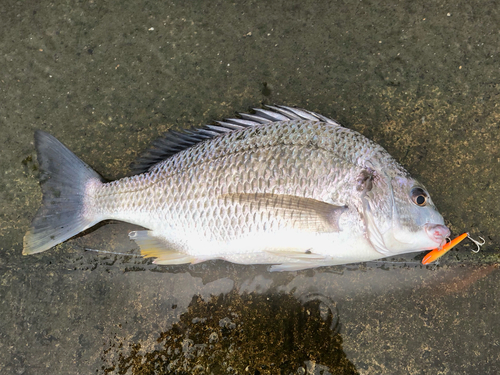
(302,213)
(154,247)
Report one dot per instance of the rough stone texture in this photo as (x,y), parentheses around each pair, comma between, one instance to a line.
(106,78)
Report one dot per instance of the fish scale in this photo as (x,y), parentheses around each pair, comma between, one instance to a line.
(252,157)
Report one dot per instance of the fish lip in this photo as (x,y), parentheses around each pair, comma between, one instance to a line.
(437,233)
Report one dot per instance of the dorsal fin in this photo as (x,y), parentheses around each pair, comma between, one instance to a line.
(175,141)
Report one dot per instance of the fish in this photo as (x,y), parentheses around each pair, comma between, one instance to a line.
(281,186)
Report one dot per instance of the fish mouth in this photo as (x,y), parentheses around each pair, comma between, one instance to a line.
(437,233)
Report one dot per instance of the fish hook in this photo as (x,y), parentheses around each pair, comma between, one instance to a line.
(478,244)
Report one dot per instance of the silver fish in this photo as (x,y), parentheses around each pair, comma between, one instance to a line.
(282,186)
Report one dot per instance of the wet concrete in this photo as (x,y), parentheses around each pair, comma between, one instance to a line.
(422,79)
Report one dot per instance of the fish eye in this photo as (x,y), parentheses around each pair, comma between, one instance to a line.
(419,196)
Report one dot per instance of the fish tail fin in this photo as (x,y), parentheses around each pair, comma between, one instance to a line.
(65,181)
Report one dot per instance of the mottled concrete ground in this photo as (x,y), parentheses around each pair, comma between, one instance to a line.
(420,78)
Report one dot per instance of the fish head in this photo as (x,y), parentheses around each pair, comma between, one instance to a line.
(402,218)
(416,224)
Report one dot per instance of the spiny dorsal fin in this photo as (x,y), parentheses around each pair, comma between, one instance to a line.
(176,141)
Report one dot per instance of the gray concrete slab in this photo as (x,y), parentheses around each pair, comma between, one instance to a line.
(107,78)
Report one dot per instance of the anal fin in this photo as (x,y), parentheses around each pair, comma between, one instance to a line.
(153,247)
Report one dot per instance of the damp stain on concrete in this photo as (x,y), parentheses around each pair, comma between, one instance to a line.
(249,333)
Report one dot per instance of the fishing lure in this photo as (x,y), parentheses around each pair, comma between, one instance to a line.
(439,252)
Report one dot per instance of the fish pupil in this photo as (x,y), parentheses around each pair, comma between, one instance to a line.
(419,196)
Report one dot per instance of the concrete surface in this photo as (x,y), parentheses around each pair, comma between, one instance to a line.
(107,78)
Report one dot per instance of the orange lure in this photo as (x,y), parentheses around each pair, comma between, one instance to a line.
(439,252)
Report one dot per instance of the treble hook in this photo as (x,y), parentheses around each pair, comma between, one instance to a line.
(478,244)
